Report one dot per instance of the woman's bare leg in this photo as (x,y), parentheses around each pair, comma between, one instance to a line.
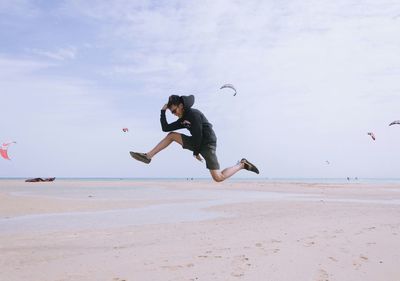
(171,137)
(219,176)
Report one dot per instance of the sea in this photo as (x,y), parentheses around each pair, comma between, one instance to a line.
(233,179)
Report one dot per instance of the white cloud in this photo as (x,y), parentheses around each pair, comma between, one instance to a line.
(11,67)
(61,54)
(20,8)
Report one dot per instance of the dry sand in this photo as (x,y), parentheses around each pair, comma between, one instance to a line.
(257,231)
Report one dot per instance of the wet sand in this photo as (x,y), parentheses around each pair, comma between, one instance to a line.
(198,230)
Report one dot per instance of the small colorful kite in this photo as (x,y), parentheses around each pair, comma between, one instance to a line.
(4,148)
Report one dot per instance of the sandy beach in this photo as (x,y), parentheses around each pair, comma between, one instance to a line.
(198,230)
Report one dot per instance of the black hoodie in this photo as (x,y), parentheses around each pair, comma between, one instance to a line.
(193,120)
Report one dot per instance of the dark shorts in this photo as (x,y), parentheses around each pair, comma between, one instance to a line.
(207,151)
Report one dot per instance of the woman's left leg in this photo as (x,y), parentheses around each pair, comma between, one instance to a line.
(171,137)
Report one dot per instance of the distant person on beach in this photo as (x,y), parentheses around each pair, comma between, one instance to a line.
(203,141)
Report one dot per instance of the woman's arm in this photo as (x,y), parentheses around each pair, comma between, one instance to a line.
(169,127)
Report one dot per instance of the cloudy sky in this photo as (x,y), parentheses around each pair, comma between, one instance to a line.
(313,77)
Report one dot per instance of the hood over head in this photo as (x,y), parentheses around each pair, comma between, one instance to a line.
(188,101)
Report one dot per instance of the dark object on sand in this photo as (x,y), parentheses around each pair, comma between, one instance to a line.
(40,179)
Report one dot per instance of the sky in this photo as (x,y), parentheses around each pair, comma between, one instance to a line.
(312,78)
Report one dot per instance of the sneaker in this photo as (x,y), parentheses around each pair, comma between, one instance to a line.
(249,166)
(140,157)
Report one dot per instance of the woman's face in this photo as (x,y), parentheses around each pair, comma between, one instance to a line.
(177,110)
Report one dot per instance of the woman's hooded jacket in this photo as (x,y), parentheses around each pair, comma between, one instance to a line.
(193,120)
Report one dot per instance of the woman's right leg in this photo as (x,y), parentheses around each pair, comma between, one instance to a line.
(171,137)
(219,176)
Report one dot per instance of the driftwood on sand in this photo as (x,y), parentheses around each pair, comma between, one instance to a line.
(40,179)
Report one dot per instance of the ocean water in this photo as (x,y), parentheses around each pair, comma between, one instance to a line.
(338,180)
(233,179)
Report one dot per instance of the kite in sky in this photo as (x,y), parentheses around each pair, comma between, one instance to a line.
(372,135)
(4,148)
(230,86)
(395,122)
(125,130)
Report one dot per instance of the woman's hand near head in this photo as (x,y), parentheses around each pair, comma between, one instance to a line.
(165,107)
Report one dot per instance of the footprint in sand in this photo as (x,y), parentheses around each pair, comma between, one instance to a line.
(267,251)
(307,241)
(358,263)
(333,259)
(172,267)
(322,275)
(309,244)
(209,255)
(240,264)
(275,241)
